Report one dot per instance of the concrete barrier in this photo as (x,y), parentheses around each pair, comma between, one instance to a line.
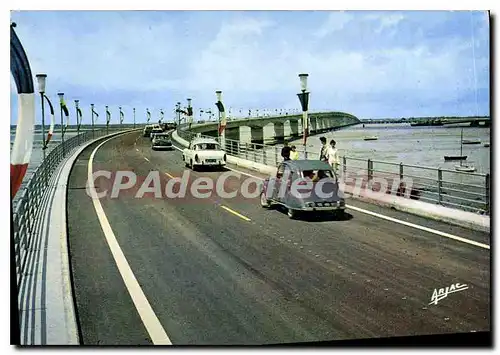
(440,213)
(46,303)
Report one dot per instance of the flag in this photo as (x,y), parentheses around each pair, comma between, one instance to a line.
(66,112)
(122,116)
(108,116)
(148,114)
(52,122)
(222,124)
(79,113)
(23,142)
(95,113)
(161,115)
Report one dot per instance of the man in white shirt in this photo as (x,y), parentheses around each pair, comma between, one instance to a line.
(333,157)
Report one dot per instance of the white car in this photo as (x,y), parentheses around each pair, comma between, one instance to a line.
(204,152)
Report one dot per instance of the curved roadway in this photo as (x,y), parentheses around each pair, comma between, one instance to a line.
(225,271)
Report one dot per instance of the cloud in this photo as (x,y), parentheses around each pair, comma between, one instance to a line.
(372,64)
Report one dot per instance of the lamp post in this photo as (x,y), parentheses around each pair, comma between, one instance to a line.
(304,102)
(134,116)
(179,114)
(61,100)
(77,122)
(190,112)
(107,120)
(41,78)
(92,115)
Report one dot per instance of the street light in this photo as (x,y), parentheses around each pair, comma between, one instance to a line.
(190,113)
(41,78)
(61,100)
(218,94)
(179,113)
(77,122)
(92,115)
(304,102)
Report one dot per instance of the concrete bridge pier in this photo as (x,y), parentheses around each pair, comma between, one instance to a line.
(314,125)
(294,128)
(233,133)
(257,134)
(279,131)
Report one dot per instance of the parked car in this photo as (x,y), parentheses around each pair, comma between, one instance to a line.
(162,141)
(204,152)
(302,192)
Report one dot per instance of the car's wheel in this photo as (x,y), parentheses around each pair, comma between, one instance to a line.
(185,161)
(292,213)
(338,214)
(192,165)
(264,202)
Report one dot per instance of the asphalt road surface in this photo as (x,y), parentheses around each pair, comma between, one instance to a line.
(221,271)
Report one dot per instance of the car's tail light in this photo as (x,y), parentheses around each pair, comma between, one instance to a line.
(302,182)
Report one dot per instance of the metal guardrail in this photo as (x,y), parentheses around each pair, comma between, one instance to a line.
(29,207)
(454,189)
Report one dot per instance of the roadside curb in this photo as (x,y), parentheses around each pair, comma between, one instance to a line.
(58,326)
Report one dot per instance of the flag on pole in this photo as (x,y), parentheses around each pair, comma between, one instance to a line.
(23,141)
(161,115)
(95,113)
(52,122)
(148,114)
(122,116)
(108,116)
(79,121)
(222,125)
(66,112)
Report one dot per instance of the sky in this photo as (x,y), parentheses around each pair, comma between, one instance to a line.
(372,64)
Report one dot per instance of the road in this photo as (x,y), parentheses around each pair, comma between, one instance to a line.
(226,271)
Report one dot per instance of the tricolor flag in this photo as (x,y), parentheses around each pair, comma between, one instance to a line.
(122,116)
(222,125)
(52,122)
(108,116)
(148,114)
(23,142)
(79,121)
(95,113)
(66,112)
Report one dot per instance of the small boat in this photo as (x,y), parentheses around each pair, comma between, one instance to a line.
(466,168)
(471,142)
(371,138)
(455,157)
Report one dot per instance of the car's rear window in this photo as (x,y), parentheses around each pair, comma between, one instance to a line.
(207,146)
(317,174)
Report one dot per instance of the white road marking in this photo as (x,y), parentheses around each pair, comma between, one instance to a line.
(148,316)
(136,149)
(426,229)
(146,158)
(408,224)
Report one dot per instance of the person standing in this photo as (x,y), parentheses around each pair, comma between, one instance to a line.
(285,151)
(323,155)
(333,157)
(294,155)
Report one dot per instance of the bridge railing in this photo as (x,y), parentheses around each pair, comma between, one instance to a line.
(454,189)
(31,205)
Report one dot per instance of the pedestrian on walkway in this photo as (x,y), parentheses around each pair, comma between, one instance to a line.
(323,155)
(294,155)
(333,157)
(285,151)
